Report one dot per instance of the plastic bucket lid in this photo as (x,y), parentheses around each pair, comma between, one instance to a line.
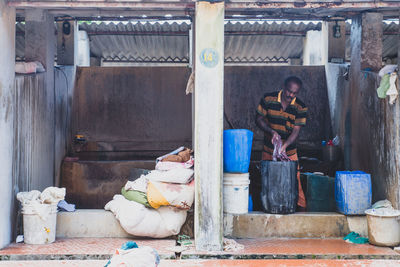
(31,209)
(236,179)
(383,212)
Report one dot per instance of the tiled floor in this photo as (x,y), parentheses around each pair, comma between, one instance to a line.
(86,246)
(257,252)
(216,263)
(303,247)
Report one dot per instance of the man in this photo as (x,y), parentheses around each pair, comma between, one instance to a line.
(281,115)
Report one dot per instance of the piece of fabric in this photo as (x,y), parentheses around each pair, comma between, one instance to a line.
(281,121)
(65,206)
(392,92)
(155,197)
(383,86)
(166,194)
(302,199)
(138,220)
(355,238)
(137,196)
(387,69)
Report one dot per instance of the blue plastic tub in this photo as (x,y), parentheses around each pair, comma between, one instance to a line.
(237,150)
(353,192)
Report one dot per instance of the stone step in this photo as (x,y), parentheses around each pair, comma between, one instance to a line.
(101,223)
(297,225)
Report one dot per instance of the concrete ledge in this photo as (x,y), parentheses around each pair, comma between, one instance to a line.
(88,223)
(298,225)
(101,223)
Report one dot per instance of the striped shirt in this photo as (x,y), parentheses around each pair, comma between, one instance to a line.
(282,122)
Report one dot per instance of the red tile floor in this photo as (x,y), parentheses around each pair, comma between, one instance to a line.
(272,252)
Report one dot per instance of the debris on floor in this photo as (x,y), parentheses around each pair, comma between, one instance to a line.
(231,245)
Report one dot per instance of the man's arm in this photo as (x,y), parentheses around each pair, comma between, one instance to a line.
(263,125)
(292,138)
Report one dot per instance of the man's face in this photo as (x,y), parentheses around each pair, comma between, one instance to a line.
(291,92)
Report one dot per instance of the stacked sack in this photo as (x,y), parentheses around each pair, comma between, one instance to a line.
(155,205)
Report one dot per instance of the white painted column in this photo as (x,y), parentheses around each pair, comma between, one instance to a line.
(7,76)
(209,94)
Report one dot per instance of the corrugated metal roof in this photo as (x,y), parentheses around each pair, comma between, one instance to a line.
(168,41)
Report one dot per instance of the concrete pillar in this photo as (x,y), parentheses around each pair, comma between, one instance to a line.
(334,47)
(40,45)
(366,41)
(7,76)
(209,93)
(312,51)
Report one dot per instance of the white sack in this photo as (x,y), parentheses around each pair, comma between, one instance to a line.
(138,220)
(177,176)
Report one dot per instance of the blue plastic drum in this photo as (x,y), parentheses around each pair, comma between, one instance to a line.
(237,150)
(353,192)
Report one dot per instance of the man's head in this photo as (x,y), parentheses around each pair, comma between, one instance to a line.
(292,88)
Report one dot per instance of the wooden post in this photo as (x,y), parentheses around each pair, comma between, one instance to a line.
(209,93)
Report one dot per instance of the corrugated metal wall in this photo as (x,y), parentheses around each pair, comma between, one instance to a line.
(34,133)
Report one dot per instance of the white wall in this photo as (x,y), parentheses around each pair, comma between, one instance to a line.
(7,74)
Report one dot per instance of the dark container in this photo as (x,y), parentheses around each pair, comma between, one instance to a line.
(320,193)
(279,191)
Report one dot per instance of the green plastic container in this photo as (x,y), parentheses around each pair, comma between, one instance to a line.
(320,193)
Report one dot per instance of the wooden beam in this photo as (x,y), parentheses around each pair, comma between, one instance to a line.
(189,4)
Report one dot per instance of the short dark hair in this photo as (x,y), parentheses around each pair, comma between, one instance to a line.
(293,79)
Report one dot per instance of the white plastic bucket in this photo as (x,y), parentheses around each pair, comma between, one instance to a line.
(383,227)
(236,192)
(39,223)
